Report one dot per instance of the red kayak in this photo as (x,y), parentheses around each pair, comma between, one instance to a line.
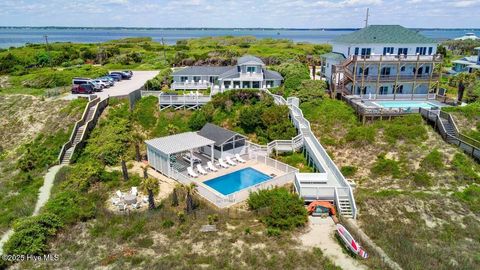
(347,238)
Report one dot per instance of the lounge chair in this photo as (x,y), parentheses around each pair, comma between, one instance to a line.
(222,163)
(145,199)
(211,167)
(201,170)
(134,191)
(115,201)
(191,172)
(119,194)
(239,158)
(230,161)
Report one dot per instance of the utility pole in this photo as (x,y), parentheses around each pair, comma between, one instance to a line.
(164,54)
(46,41)
(366,18)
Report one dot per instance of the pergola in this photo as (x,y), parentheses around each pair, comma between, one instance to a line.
(160,150)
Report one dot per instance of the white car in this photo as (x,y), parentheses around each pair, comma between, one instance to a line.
(102,83)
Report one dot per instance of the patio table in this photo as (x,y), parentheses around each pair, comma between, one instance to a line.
(130,199)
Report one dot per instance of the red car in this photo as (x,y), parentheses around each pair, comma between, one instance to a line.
(82,89)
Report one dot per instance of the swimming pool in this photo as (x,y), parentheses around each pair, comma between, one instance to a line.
(238,180)
(405,104)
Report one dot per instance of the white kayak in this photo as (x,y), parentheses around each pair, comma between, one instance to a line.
(350,242)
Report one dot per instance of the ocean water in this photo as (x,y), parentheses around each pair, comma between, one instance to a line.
(20,36)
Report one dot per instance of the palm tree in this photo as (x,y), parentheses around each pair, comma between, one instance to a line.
(137,139)
(175,195)
(189,199)
(464,81)
(145,171)
(172,129)
(151,186)
(124,169)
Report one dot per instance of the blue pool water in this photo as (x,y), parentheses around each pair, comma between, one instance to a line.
(238,180)
(406,104)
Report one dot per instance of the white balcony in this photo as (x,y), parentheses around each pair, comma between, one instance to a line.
(251,76)
(191,85)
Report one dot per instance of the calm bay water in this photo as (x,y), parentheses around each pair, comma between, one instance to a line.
(20,36)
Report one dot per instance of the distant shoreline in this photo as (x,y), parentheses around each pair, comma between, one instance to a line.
(216,28)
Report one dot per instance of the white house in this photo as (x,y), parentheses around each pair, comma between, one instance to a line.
(250,72)
(384,61)
(468,63)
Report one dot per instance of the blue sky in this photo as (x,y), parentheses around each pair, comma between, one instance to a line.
(236,13)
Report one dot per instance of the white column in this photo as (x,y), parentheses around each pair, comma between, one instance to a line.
(191,158)
(212,158)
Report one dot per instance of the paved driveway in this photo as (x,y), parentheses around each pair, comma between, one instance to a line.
(124,87)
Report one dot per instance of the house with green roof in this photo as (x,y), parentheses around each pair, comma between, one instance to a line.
(382,62)
(250,72)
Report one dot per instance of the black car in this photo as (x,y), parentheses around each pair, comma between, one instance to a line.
(128,72)
(125,76)
(116,77)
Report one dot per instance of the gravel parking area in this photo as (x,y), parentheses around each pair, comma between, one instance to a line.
(123,87)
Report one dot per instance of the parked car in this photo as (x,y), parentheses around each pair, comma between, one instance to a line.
(128,72)
(125,76)
(102,83)
(108,80)
(85,88)
(116,77)
(96,86)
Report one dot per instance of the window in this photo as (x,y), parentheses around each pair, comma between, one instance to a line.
(196,78)
(360,71)
(356,50)
(251,69)
(421,50)
(239,69)
(403,51)
(402,68)
(361,91)
(427,69)
(430,50)
(366,51)
(387,50)
(383,90)
(385,71)
(400,89)
(183,78)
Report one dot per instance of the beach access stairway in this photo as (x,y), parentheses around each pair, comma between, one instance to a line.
(445,125)
(82,129)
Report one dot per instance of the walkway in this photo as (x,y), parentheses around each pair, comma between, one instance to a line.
(43,197)
(321,234)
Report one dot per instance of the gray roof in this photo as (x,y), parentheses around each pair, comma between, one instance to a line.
(334,56)
(217,134)
(230,74)
(249,58)
(387,34)
(467,60)
(202,71)
(179,142)
(272,75)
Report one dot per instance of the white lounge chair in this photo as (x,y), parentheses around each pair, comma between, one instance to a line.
(119,194)
(191,172)
(222,163)
(211,167)
(201,170)
(134,191)
(239,158)
(230,161)
(145,199)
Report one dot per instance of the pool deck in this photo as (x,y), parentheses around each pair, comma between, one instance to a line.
(250,163)
(375,103)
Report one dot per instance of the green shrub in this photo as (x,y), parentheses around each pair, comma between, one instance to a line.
(422,178)
(198,120)
(145,112)
(471,196)
(433,161)
(71,206)
(348,171)
(32,234)
(384,167)
(464,168)
(278,208)
(361,135)
(273,232)
(408,128)
(167,223)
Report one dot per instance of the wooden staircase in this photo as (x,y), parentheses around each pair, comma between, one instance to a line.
(345,207)
(82,128)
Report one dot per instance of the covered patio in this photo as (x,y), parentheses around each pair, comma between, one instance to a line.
(179,152)
(227,142)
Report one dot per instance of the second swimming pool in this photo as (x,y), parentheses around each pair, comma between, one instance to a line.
(238,180)
(405,104)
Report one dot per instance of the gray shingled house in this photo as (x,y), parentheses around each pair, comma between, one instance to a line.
(250,72)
